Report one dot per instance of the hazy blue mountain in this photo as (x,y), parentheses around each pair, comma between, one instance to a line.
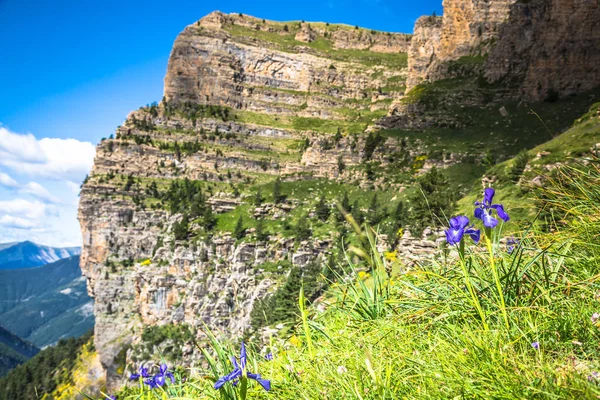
(47,303)
(13,351)
(28,254)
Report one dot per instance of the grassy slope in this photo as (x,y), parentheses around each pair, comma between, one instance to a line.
(421,336)
(575,142)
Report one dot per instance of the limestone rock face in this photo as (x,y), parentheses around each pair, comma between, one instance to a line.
(216,61)
(305,34)
(551,46)
(247,101)
(424,48)
(471,25)
(535,47)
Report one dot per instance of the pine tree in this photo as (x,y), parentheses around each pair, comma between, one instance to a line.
(338,135)
(346,203)
(322,211)
(341,164)
(357,213)
(277,196)
(129,183)
(261,234)
(258,199)
(375,215)
(209,219)
(303,230)
(181,228)
(434,201)
(239,231)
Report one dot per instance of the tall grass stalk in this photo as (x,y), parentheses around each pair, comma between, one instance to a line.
(490,248)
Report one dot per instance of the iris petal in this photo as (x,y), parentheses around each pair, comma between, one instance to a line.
(479,213)
(488,220)
(170,376)
(474,233)
(454,236)
(236,373)
(459,222)
(243,356)
(488,196)
(163,368)
(159,379)
(501,213)
(266,384)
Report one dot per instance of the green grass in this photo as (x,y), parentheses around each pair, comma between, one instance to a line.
(563,148)
(484,128)
(356,124)
(321,47)
(400,333)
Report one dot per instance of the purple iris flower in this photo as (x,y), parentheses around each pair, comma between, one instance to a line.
(161,378)
(459,226)
(483,210)
(143,372)
(151,383)
(511,244)
(535,345)
(269,357)
(239,371)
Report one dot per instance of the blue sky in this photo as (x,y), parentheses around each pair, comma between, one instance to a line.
(71,71)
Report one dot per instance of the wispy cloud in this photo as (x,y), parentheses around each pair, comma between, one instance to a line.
(38,191)
(25,214)
(7,181)
(59,159)
(43,209)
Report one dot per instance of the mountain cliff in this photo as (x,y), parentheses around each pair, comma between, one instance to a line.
(204,206)
(539,48)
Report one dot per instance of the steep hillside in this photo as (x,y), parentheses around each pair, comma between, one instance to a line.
(47,303)
(522,176)
(13,351)
(51,373)
(216,202)
(28,254)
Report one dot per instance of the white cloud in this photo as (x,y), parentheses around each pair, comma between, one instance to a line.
(6,180)
(11,221)
(48,157)
(31,210)
(36,190)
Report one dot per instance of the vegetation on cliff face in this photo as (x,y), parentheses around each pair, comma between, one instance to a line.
(491,320)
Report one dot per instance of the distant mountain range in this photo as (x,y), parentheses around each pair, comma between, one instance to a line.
(13,351)
(28,254)
(47,303)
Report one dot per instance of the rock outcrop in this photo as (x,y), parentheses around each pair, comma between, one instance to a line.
(424,48)
(549,47)
(540,48)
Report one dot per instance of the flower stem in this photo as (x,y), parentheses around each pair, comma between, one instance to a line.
(243,386)
(461,253)
(490,247)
